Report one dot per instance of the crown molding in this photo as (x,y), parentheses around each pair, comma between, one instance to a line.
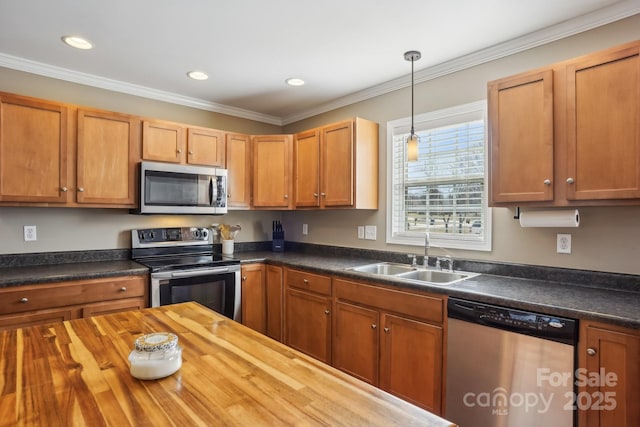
(65,74)
(565,29)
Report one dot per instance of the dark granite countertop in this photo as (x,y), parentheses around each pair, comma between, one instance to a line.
(619,306)
(577,294)
(34,274)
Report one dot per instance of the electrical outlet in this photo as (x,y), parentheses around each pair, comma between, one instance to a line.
(305,229)
(30,233)
(370,232)
(361,232)
(563,244)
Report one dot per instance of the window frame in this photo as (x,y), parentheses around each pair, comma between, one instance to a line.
(422,122)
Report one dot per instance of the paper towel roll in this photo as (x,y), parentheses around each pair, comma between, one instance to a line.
(563,218)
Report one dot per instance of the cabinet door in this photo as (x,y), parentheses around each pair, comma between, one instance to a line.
(611,357)
(38,317)
(254,297)
(275,298)
(355,341)
(108,151)
(272,170)
(603,126)
(33,150)
(337,164)
(108,307)
(411,361)
(238,163)
(307,168)
(308,324)
(521,138)
(163,141)
(205,147)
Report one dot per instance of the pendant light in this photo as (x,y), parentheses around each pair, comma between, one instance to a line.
(412,141)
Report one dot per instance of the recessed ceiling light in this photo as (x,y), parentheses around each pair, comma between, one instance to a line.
(197,75)
(77,42)
(294,81)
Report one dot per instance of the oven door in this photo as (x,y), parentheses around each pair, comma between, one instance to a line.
(216,287)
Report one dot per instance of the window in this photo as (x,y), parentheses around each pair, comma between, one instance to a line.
(443,192)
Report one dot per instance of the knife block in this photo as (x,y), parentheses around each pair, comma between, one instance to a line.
(277,245)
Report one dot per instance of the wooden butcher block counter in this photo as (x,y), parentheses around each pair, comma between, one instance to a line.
(76,373)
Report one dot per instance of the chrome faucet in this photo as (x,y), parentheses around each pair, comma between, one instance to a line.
(425,260)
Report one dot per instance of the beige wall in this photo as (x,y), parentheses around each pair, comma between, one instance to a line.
(607,240)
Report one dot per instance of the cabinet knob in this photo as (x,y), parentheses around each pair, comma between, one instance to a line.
(305,281)
(373,326)
(123,289)
(570,180)
(286,196)
(547,182)
(323,194)
(80,190)
(244,278)
(179,151)
(228,195)
(591,351)
(24,300)
(64,189)
(190,152)
(326,312)
(386,330)
(315,194)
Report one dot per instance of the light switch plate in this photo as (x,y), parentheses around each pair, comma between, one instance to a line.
(305,229)
(370,232)
(361,232)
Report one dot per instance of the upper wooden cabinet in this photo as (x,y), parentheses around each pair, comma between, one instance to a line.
(568,134)
(238,164)
(107,154)
(33,150)
(336,166)
(272,171)
(52,153)
(173,142)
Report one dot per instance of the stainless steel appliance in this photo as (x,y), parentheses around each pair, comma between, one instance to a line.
(167,188)
(184,268)
(509,368)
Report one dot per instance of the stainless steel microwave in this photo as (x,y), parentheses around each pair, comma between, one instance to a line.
(167,188)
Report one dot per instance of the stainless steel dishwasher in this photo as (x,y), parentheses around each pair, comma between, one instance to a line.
(509,368)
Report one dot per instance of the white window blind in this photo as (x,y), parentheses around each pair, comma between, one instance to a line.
(444,191)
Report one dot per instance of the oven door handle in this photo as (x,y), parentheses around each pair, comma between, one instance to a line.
(192,273)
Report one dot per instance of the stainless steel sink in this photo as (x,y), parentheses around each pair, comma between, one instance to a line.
(384,268)
(436,276)
(414,274)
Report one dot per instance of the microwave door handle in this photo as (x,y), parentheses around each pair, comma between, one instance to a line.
(211,190)
(209,271)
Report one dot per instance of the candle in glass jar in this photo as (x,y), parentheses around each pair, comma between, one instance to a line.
(155,356)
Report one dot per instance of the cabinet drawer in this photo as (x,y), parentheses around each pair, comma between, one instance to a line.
(308,281)
(43,296)
(415,305)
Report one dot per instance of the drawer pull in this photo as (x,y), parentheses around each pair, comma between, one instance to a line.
(326,312)
(386,330)
(373,326)
(591,351)
(24,300)
(305,281)
(123,289)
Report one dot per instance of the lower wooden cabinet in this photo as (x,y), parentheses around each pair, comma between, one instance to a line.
(608,376)
(275,296)
(38,304)
(308,313)
(392,339)
(254,305)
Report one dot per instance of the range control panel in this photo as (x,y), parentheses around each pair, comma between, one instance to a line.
(149,236)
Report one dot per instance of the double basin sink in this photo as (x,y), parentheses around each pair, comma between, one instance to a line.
(414,274)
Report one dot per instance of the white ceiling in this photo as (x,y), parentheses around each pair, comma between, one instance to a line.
(346,50)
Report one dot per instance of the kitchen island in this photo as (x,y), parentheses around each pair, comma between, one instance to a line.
(77,373)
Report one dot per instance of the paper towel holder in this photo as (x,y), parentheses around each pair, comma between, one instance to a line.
(517,215)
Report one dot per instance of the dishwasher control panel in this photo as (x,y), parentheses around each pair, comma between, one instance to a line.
(515,320)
